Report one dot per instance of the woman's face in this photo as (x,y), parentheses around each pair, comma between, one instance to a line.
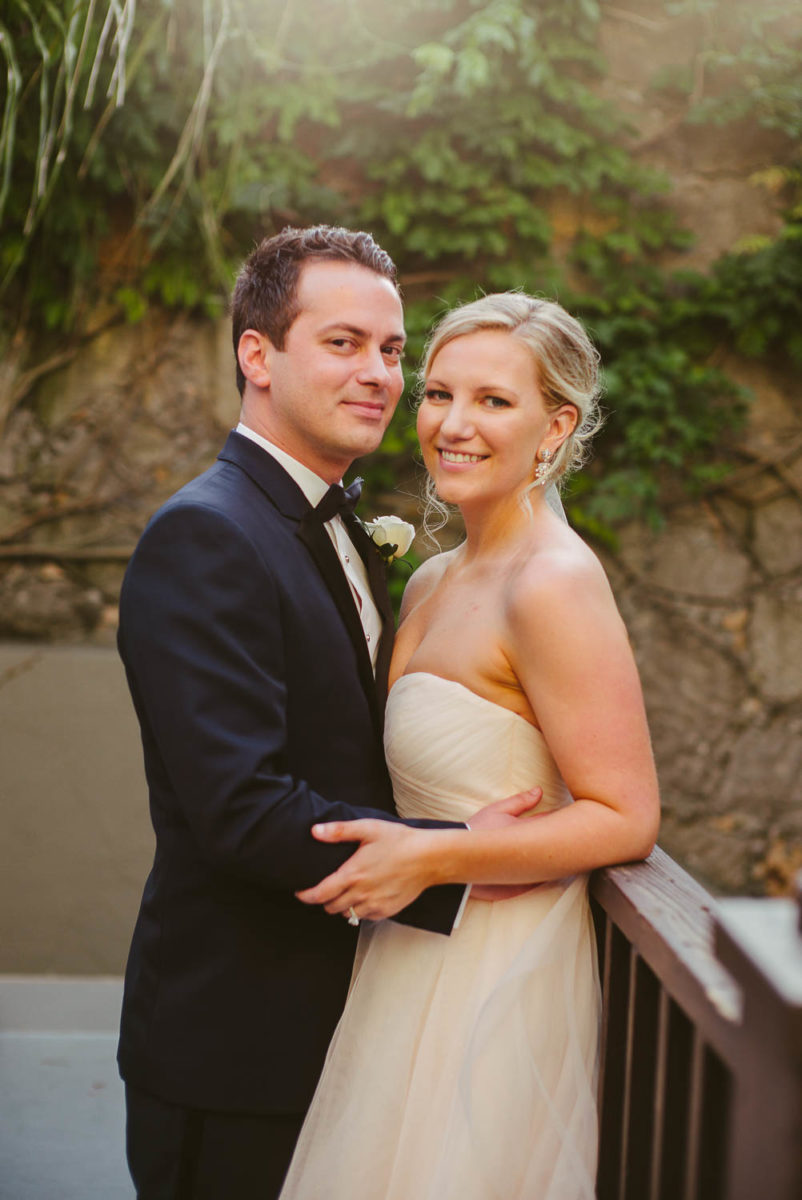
(482,419)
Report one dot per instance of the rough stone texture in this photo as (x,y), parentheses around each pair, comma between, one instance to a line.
(764,766)
(689,555)
(778,535)
(713,602)
(714,609)
(776,630)
(98,447)
(43,602)
(711,168)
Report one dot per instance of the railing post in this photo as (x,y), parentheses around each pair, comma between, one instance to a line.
(759,943)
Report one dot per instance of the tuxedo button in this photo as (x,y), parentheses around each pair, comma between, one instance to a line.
(367,635)
(347,559)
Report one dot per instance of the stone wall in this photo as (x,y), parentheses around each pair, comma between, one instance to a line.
(714,607)
(91,446)
(713,601)
(89,453)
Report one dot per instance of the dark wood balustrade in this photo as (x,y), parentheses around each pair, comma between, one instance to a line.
(701,1069)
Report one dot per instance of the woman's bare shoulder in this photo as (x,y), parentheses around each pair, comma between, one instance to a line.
(424,580)
(562,580)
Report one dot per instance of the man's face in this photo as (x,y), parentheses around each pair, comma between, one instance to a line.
(333,388)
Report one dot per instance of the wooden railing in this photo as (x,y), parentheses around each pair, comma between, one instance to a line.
(701,1068)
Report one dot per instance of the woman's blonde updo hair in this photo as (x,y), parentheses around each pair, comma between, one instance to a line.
(566,361)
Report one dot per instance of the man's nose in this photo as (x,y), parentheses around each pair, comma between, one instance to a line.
(374,369)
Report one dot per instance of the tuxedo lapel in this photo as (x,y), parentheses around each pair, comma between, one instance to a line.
(317,541)
(377,577)
(268,475)
(285,494)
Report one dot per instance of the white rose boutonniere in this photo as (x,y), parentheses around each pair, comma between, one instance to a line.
(391,536)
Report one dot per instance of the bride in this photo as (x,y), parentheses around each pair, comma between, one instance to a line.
(465,1067)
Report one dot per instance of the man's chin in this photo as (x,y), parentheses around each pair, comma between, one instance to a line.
(366,441)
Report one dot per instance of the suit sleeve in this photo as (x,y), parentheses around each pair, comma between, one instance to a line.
(202,641)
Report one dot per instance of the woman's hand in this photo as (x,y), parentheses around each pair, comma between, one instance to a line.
(388,871)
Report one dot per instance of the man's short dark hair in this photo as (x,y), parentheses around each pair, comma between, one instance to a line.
(265,295)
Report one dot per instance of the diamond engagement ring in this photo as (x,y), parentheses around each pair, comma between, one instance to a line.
(353,919)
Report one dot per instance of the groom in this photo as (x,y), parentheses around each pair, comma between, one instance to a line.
(256,634)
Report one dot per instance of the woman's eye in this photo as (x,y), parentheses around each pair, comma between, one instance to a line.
(496,402)
(436,394)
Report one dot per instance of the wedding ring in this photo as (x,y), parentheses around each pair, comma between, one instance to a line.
(353,919)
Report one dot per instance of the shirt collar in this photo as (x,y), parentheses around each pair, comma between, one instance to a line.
(312,486)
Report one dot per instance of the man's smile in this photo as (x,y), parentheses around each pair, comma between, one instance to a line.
(366,407)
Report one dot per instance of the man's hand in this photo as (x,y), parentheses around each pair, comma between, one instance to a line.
(394,863)
(494,816)
(506,811)
(385,874)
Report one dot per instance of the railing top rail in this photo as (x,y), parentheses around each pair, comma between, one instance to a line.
(668,918)
(709,1105)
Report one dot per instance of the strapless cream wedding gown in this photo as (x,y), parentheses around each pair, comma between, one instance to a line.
(464,1067)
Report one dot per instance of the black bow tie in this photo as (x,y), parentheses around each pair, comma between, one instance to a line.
(339,500)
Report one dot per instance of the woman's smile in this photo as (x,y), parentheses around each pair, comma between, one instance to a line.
(459,458)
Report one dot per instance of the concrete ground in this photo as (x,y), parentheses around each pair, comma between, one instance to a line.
(62,1117)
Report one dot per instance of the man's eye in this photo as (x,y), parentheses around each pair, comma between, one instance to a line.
(396,353)
(341,342)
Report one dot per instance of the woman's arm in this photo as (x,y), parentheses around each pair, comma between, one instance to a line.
(568,647)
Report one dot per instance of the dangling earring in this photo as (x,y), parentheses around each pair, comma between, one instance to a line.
(542,468)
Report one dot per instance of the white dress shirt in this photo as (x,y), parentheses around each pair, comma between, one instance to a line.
(315,488)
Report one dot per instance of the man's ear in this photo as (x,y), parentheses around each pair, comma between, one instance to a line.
(253,355)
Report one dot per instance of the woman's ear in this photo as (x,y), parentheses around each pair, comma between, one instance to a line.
(253,355)
(563,422)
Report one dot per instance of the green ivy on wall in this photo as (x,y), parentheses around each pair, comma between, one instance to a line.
(144,146)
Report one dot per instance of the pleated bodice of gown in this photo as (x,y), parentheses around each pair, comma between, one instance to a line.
(464,1067)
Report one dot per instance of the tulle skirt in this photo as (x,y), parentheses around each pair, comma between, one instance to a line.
(464,1068)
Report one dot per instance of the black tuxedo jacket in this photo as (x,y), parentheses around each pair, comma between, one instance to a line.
(259,716)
